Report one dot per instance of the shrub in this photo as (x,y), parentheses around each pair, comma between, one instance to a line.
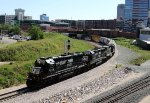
(36,33)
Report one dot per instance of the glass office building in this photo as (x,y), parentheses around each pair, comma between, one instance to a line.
(140,9)
(44,17)
(137,10)
(149,4)
(128,9)
(120,11)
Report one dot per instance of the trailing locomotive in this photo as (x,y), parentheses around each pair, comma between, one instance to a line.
(48,69)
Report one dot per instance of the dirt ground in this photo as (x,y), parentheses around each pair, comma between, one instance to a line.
(2,63)
(145,100)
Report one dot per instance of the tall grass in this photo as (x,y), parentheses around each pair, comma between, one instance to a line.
(29,50)
(14,74)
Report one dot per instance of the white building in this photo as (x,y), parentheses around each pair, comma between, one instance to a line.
(19,14)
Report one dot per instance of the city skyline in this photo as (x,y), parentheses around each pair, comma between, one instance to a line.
(64,9)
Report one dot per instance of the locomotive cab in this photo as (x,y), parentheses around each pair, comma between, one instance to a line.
(42,67)
(36,70)
(33,76)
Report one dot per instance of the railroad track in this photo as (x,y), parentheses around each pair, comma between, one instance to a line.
(13,94)
(112,98)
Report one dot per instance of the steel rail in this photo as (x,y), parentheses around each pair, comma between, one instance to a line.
(139,85)
(13,94)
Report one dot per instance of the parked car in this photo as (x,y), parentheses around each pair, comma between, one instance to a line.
(28,38)
(16,37)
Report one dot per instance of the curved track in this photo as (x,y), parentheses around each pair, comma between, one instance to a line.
(112,98)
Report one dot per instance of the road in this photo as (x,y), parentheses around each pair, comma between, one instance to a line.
(6,40)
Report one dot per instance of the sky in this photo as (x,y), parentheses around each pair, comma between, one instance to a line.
(63,9)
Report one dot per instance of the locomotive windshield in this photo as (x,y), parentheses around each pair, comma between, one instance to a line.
(36,70)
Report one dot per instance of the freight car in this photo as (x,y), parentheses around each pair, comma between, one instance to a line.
(48,69)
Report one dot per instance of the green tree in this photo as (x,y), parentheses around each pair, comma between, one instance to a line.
(16,30)
(5,28)
(36,33)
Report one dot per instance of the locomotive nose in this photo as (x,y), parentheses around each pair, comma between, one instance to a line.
(36,70)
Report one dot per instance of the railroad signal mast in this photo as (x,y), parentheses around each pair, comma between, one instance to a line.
(67,47)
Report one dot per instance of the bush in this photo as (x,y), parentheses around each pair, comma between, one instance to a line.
(36,33)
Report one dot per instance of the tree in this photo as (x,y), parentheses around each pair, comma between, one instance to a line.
(36,33)
(5,28)
(16,29)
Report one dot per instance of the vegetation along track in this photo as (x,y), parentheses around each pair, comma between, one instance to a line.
(112,98)
(13,94)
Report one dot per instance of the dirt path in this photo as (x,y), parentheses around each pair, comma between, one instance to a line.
(145,100)
(2,63)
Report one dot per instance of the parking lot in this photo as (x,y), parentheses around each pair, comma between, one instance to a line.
(12,39)
(7,40)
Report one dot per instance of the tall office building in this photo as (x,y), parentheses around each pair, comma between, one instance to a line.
(149,4)
(120,11)
(137,10)
(128,9)
(148,21)
(19,13)
(11,19)
(140,9)
(44,17)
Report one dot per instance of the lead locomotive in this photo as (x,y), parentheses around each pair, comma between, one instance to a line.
(48,69)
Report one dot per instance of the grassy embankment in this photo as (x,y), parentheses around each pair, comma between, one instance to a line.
(2,44)
(144,54)
(23,55)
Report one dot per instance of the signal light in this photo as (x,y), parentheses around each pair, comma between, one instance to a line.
(68,47)
(68,41)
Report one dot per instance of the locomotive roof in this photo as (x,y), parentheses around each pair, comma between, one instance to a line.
(50,61)
(54,59)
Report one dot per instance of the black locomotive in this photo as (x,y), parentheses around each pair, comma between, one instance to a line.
(48,69)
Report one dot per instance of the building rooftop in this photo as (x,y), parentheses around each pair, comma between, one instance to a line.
(146,29)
